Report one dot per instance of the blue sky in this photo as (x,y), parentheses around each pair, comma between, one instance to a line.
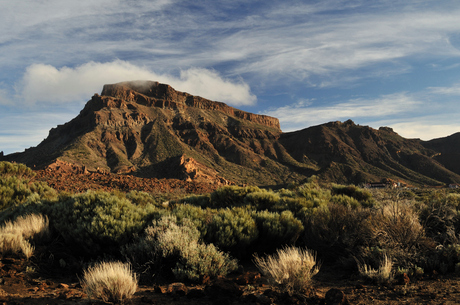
(379,63)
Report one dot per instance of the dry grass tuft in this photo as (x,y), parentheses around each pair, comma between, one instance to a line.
(14,235)
(381,275)
(110,281)
(291,268)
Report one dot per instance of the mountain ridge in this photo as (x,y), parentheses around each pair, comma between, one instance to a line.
(149,129)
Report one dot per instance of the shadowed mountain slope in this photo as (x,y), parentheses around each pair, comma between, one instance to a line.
(151,130)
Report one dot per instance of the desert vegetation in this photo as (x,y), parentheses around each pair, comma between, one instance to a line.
(377,234)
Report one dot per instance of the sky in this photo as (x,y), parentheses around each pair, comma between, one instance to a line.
(386,63)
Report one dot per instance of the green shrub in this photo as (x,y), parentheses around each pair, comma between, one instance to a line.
(230,196)
(169,247)
(262,200)
(15,191)
(232,230)
(337,231)
(97,222)
(198,200)
(440,217)
(276,230)
(313,192)
(8,169)
(363,196)
(346,201)
(142,199)
(200,217)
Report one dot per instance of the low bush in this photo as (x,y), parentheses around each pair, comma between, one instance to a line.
(396,228)
(364,197)
(172,248)
(346,201)
(98,222)
(18,170)
(276,230)
(200,217)
(262,200)
(439,214)
(232,230)
(16,191)
(231,196)
(110,281)
(337,231)
(142,199)
(290,268)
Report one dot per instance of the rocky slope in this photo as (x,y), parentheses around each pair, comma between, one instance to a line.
(147,129)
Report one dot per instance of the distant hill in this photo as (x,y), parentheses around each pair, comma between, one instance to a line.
(149,129)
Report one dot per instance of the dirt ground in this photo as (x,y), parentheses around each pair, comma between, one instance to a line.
(25,282)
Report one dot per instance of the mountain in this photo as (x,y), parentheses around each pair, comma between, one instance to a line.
(148,129)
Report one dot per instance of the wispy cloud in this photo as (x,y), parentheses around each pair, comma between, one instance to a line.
(48,84)
(301,115)
(452,90)
(309,43)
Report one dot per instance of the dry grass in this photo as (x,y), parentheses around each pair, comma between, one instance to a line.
(381,275)
(110,281)
(291,268)
(14,235)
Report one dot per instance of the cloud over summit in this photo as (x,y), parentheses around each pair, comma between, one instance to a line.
(47,84)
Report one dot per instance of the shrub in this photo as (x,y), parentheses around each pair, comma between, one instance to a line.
(440,217)
(443,259)
(396,229)
(175,248)
(200,217)
(363,196)
(96,222)
(346,201)
(313,192)
(276,230)
(142,199)
(15,191)
(15,169)
(262,199)
(232,230)
(198,200)
(110,281)
(336,231)
(291,268)
(230,196)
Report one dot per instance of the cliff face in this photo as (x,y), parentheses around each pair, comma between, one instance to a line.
(154,94)
(149,129)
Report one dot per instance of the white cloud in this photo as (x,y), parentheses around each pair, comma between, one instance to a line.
(453,90)
(300,115)
(424,130)
(48,84)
